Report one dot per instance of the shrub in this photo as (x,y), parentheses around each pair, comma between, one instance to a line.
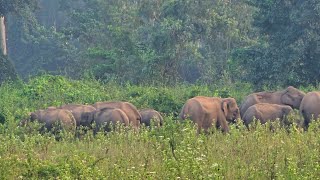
(171,152)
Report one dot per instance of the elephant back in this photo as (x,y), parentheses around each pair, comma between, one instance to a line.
(290,96)
(52,117)
(192,109)
(109,116)
(148,114)
(207,112)
(266,112)
(310,107)
(129,109)
(61,116)
(259,97)
(78,110)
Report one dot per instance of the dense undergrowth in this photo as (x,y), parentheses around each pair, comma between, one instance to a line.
(171,152)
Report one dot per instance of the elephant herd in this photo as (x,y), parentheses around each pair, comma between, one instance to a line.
(206,112)
(264,106)
(71,116)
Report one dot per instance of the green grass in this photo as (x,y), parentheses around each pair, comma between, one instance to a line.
(171,152)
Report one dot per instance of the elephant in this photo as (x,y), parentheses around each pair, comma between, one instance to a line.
(208,111)
(265,111)
(50,117)
(129,109)
(310,107)
(51,107)
(290,96)
(150,114)
(105,116)
(77,110)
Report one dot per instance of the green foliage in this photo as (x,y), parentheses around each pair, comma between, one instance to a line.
(288,38)
(41,49)
(166,42)
(43,91)
(170,152)
(173,151)
(158,42)
(7,71)
(16,6)
(57,90)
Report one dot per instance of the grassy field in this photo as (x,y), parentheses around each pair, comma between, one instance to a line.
(171,152)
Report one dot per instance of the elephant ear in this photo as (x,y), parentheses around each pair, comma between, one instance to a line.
(287,98)
(225,106)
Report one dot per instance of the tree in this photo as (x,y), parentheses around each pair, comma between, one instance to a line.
(36,42)
(158,40)
(3,36)
(12,6)
(289,48)
(9,6)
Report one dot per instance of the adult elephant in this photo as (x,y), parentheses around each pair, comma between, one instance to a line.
(129,109)
(290,96)
(77,110)
(147,115)
(265,111)
(52,117)
(105,117)
(208,111)
(310,107)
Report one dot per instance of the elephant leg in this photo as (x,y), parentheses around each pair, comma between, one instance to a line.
(223,124)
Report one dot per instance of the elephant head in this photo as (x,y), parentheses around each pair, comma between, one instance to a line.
(292,97)
(33,116)
(230,109)
(286,110)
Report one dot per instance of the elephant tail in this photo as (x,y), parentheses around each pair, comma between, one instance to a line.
(125,119)
(73,120)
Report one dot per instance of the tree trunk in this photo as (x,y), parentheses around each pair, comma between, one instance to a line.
(3,36)
(7,70)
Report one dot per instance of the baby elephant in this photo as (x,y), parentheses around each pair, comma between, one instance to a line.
(147,115)
(265,111)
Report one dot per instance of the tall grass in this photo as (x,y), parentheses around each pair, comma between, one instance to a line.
(173,151)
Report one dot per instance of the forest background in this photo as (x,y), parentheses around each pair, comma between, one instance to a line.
(165,42)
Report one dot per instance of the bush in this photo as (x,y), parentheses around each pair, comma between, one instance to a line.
(170,152)
(7,71)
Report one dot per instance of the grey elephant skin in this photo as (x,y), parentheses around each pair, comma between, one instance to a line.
(129,109)
(105,117)
(147,115)
(310,107)
(265,111)
(50,117)
(77,110)
(290,96)
(209,111)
